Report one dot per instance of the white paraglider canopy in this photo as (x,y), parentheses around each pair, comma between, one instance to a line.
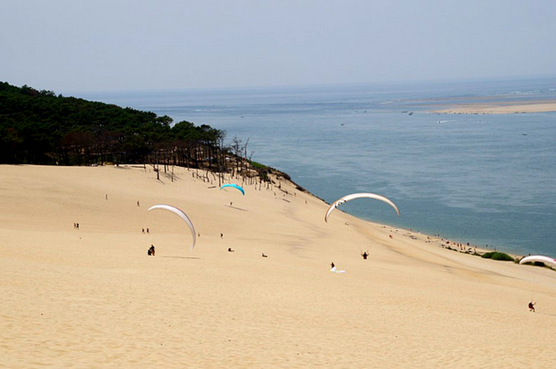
(346,198)
(539,258)
(182,215)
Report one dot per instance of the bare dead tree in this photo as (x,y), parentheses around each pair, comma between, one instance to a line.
(244,161)
(236,150)
(221,159)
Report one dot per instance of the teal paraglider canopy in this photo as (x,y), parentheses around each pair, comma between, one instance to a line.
(233,186)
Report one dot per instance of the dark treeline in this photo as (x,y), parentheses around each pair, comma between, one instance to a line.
(39,127)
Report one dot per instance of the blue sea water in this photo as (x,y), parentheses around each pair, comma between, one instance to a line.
(483,179)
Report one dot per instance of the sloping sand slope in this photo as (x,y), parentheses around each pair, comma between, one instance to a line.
(92,298)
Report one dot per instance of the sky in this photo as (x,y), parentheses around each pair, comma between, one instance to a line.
(119,45)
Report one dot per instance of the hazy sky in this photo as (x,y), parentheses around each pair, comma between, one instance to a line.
(105,45)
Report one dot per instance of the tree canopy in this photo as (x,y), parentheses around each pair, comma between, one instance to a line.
(39,127)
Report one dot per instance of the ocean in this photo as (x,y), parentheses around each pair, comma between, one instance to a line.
(487,180)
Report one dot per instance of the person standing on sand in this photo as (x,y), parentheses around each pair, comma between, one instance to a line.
(365,254)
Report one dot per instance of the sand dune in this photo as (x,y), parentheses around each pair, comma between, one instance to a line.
(92,298)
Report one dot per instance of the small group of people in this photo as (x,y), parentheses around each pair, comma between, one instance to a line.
(150,251)
(76,225)
(143,230)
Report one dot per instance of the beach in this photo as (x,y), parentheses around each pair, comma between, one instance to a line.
(90,297)
(500,107)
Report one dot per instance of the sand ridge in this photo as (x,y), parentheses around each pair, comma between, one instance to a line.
(92,298)
(500,107)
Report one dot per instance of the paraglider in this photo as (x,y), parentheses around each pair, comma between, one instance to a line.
(182,215)
(346,198)
(233,186)
(539,258)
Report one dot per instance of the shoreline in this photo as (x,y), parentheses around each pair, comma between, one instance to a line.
(443,242)
(447,243)
(497,107)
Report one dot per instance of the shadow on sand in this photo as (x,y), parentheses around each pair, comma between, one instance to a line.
(538,312)
(233,207)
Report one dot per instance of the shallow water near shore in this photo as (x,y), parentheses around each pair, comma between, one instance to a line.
(484,179)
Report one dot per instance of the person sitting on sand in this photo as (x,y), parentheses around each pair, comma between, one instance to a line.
(263,255)
(365,254)
(230,249)
(150,252)
(334,270)
(531,306)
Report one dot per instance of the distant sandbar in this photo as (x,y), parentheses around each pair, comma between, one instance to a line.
(500,108)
